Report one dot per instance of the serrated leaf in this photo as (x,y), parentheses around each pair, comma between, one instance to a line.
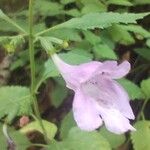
(132,89)
(114,140)
(14,101)
(50,128)
(81,140)
(102,51)
(91,37)
(101,20)
(145,86)
(141,137)
(120,34)
(78,139)
(144,52)
(137,30)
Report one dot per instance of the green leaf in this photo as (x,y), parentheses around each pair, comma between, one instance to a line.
(145,86)
(39,27)
(93,7)
(91,37)
(14,101)
(101,20)
(47,8)
(120,2)
(74,58)
(102,51)
(67,123)
(137,30)
(81,140)
(84,45)
(59,92)
(115,140)
(72,12)
(65,2)
(2,15)
(50,128)
(21,142)
(143,2)
(133,90)
(107,39)
(6,27)
(17,40)
(78,139)
(10,21)
(144,52)
(141,137)
(65,34)
(21,60)
(121,35)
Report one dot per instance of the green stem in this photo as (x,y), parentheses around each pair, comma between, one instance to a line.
(32,67)
(49,29)
(141,113)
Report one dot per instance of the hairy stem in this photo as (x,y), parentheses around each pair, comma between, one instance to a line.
(32,67)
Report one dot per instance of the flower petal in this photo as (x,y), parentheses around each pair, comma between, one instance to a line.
(85,113)
(123,101)
(115,121)
(108,93)
(65,70)
(75,74)
(114,70)
(112,94)
(87,70)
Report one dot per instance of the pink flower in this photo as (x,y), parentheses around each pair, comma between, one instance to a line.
(98,97)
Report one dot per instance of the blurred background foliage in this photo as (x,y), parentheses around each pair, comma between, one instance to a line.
(118,42)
